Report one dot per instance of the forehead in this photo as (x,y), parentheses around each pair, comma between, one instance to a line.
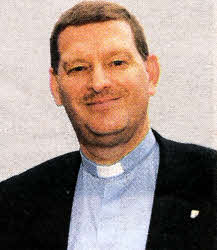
(101,36)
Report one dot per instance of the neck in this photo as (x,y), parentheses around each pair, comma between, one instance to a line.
(110,155)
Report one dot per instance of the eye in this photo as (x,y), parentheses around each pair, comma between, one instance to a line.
(77,69)
(118,62)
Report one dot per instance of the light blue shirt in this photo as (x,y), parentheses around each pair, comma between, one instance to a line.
(112,209)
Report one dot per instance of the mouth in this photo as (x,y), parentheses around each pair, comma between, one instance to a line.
(103,103)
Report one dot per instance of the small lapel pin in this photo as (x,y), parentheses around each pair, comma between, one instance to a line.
(194,214)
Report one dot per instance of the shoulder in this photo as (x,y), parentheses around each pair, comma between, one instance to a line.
(46,183)
(187,150)
(187,168)
(37,196)
(46,173)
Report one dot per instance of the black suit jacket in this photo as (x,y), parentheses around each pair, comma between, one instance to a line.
(35,206)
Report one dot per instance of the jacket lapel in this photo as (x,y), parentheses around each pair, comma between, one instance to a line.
(179,218)
(58,218)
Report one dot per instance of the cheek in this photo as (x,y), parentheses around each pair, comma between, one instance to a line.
(137,85)
(71,92)
(136,75)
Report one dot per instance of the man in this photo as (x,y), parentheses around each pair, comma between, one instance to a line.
(127,187)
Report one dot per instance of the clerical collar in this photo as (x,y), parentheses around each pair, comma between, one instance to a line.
(126,164)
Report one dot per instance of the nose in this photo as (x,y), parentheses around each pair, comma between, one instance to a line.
(99,79)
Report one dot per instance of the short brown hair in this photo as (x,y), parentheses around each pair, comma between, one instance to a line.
(92,12)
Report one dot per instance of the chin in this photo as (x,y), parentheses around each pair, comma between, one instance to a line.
(97,137)
(105,140)
(106,131)
(107,125)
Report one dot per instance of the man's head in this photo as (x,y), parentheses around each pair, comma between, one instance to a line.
(102,79)
(92,12)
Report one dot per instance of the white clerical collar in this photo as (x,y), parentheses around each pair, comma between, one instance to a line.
(109,171)
(126,164)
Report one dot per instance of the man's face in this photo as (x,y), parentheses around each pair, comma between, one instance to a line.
(103,82)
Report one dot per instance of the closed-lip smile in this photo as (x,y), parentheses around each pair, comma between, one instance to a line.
(103,104)
(102,100)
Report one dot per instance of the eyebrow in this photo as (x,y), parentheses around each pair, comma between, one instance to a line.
(118,52)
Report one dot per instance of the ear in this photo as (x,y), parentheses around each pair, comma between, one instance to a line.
(153,70)
(54,87)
